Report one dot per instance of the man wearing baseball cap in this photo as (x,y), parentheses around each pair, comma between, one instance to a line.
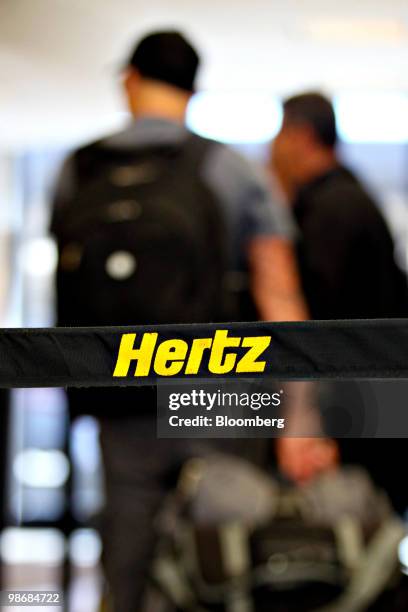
(159,80)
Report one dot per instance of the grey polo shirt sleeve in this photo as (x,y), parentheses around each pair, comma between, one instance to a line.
(262,214)
(249,206)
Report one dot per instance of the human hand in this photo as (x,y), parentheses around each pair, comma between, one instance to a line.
(302,459)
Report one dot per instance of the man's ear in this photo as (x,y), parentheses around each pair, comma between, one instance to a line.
(131,86)
(131,80)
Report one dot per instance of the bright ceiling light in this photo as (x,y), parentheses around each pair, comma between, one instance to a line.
(357,31)
(234,117)
(372,117)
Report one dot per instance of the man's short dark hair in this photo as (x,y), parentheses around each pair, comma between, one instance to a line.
(166,56)
(316,111)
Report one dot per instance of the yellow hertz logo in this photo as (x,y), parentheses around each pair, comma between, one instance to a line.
(176,356)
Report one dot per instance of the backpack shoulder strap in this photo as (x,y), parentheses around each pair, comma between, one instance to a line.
(197,148)
(374,572)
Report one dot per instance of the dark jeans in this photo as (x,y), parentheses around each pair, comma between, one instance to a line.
(139,472)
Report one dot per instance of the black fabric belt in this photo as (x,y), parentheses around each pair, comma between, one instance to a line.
(86,357)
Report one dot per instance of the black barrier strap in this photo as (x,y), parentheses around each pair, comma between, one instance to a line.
(80,357)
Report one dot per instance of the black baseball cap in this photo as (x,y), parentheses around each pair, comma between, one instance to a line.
(166,56)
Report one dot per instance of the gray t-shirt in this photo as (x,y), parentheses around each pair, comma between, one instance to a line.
(249,210)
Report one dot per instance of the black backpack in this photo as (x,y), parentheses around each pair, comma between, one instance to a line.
(143,241)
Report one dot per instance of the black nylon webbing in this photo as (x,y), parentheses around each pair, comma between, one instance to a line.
(315,349)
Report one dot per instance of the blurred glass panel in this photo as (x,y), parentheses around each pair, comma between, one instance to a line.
(85,548)
(372,117)
(34,467)
(19,545)
(234,117)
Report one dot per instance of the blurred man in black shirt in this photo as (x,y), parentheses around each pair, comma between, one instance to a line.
(345,252)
